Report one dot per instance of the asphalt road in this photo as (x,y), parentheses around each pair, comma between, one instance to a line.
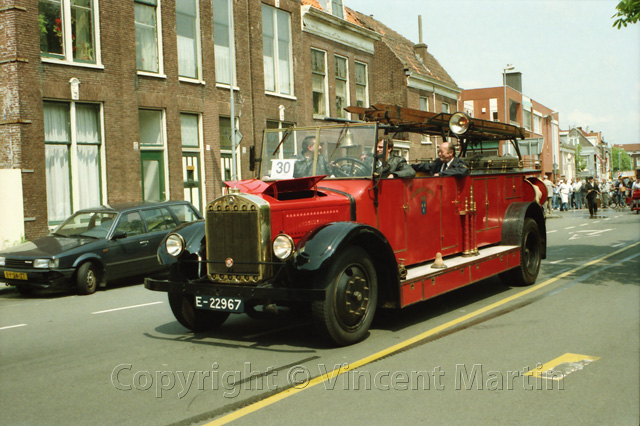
(119,357)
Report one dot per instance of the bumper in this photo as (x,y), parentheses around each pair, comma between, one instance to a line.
(243,292)
(38,278)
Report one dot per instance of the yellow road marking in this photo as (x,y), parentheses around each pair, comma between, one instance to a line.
(395,348)
(559,368)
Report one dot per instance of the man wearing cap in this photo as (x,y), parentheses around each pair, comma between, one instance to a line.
(592,193)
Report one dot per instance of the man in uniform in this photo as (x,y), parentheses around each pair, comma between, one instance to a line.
(592,193)
(395,166)
(447,164)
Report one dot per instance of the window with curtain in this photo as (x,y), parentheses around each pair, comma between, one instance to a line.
(192,179)
(188,32)
(146,25)
(222,47)
(342,86)
(319,82)
(526,118)
(276,45)
(150,123)
(69,188)
(362,91)
(68,29)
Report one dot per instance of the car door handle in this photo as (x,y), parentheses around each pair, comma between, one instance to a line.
(144,243)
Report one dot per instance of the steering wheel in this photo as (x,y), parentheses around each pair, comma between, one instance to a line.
(349,167)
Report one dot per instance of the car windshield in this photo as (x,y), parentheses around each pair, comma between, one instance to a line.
(86,224)
(344,151)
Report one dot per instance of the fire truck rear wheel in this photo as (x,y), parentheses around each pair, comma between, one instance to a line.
(345,316)
(530,255)
(183,308)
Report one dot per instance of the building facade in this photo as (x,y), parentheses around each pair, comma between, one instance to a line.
(106,102)
(507,104)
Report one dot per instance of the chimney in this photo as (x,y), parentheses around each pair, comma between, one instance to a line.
(420,49)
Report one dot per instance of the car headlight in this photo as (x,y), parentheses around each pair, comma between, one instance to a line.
(459,123)
(46,263)
(283,246)
(175,245)
(2,261)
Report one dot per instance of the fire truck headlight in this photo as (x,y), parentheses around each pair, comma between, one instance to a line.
(459,123)
(283,246)
(174,245)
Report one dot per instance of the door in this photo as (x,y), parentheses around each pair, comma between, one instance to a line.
(152,176)
(132,254)
(191,178)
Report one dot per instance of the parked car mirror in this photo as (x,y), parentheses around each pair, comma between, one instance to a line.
(119,235)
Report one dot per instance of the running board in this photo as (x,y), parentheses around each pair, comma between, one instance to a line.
(424,282)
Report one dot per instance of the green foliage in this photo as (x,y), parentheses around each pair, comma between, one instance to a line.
(581,163)
(620,160)
(628,13)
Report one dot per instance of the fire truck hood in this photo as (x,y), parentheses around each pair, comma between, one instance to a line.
(256,186)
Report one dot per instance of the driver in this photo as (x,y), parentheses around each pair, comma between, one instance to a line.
(395,166)
(304,166)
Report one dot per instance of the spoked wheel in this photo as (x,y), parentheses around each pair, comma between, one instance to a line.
(346,314)
(184,309)
(530,256)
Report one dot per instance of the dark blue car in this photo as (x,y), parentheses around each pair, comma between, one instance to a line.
(94,246)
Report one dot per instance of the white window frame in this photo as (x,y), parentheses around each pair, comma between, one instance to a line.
(424,139)
(445,108)
(200,151)
(346,83)
(276,71)
(366,84)
(230,51)
(230,152)
(325,84)
(163,147)
(74,178)
(160,73)
(198,41)
(537,122)
(67,57)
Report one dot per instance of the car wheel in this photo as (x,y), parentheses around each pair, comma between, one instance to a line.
(183,308)
(345,316)
(87,278)
(530,256)
(24,290)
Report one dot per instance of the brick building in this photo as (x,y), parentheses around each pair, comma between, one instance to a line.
(508,104)
(103,102)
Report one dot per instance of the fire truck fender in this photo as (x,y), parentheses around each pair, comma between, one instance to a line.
(318,250)
(513,223)
(193,234)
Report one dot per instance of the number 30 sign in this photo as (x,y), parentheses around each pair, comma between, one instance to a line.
(282,169)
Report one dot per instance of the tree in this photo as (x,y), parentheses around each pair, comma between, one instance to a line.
(581,163)
(620,160)
(628,13)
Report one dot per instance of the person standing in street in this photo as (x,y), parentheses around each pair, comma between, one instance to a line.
(564,190)
(593,190)
(550,192)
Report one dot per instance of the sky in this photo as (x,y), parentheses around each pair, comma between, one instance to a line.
(572,59)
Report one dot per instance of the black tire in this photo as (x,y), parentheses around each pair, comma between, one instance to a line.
(87,278)
(24,290)
(345,316)
(530,255)
(184,309)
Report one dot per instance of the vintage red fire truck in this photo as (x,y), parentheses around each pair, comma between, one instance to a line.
(349,242)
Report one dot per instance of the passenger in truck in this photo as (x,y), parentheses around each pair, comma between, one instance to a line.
(304,166)
(447,164)
(395,166)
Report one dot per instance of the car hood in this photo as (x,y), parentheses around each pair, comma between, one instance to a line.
(46,247)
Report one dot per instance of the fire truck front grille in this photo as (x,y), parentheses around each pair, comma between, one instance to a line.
(238,239)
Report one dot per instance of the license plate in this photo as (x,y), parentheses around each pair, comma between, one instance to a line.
(15,275)
(224,304)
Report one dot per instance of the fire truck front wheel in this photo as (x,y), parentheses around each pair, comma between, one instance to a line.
(183,308)
(345,316)
(530,255)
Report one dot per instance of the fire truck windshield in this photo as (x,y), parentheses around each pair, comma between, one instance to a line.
(345,151)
